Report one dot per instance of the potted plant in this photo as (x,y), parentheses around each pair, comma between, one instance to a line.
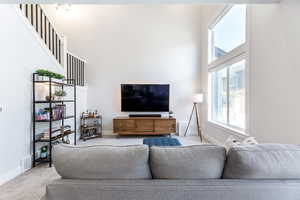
(45,73)
(59,94)
(44,152)
(56,76)
(42,74)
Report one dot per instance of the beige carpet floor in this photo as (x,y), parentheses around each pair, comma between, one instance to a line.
(31,184)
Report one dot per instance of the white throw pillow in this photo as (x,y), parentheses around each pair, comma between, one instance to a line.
(249,140)
(232,142)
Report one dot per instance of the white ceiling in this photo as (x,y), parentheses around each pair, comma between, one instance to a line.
(140,1)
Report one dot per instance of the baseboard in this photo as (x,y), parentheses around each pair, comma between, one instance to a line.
(108,133)
(25,164)
(10,175)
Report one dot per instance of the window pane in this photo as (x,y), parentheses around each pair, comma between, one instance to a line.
(237,95)
(229,32)
(219,96)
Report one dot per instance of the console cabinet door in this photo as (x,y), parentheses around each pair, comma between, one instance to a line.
(165,126)
(144,125)
(124,125)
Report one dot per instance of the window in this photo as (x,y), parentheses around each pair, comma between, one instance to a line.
(229,32)
(228,95)
(227,68)
(219,95)
(237,94)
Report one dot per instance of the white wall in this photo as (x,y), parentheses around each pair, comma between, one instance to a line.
(274,71)
(22,52)
(135,44)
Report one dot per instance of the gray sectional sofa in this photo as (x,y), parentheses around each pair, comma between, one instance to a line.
(204,172)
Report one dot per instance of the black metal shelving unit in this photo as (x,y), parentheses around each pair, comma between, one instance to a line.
(90,127)
(50,83)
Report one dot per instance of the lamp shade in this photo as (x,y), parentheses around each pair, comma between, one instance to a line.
(198,98)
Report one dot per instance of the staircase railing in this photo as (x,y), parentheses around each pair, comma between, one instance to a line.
(74,66)
(75,69)
(38,19)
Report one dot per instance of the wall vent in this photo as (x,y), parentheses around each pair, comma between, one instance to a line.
(25,163)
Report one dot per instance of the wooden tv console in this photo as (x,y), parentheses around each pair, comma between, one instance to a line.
(144,125)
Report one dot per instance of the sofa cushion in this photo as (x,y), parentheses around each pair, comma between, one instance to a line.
(189,162)
(263,161)
(102,162)
(211,189)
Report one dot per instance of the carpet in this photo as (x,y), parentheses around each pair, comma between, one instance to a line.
(161,141)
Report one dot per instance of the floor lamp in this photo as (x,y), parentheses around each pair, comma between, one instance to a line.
(198,98)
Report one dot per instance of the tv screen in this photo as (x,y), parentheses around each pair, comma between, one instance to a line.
(144,98)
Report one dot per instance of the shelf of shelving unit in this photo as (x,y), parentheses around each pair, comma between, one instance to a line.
(56,101)
(55,120)
(40,160)
(50,83)
(54,83)
(55,137)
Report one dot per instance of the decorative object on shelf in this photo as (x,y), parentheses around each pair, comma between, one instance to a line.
(45,136)
(58,113)
(85,114)
(42,115)
(61,132)
(52,113)
(44,152)
(90,125)
(59,94)
(49,98)
(65,135)
(41,78)
(61,111)
(171,114)
(198,98)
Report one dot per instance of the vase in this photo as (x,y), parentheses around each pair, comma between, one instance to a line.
(57,80)
(40,78)
(49,98)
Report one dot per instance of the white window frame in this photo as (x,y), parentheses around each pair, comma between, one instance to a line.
(237,54)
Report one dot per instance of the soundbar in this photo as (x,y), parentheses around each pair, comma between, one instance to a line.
(144,115)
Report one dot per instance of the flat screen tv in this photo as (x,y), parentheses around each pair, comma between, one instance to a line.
(145,97)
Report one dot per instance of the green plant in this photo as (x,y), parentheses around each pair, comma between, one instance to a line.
(42,72)
(59,76)
(60,93)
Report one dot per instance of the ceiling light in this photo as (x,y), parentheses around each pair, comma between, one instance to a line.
(63,8)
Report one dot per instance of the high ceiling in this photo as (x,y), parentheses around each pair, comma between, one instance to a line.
(140,1)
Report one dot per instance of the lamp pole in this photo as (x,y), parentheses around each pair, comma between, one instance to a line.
(198,99)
